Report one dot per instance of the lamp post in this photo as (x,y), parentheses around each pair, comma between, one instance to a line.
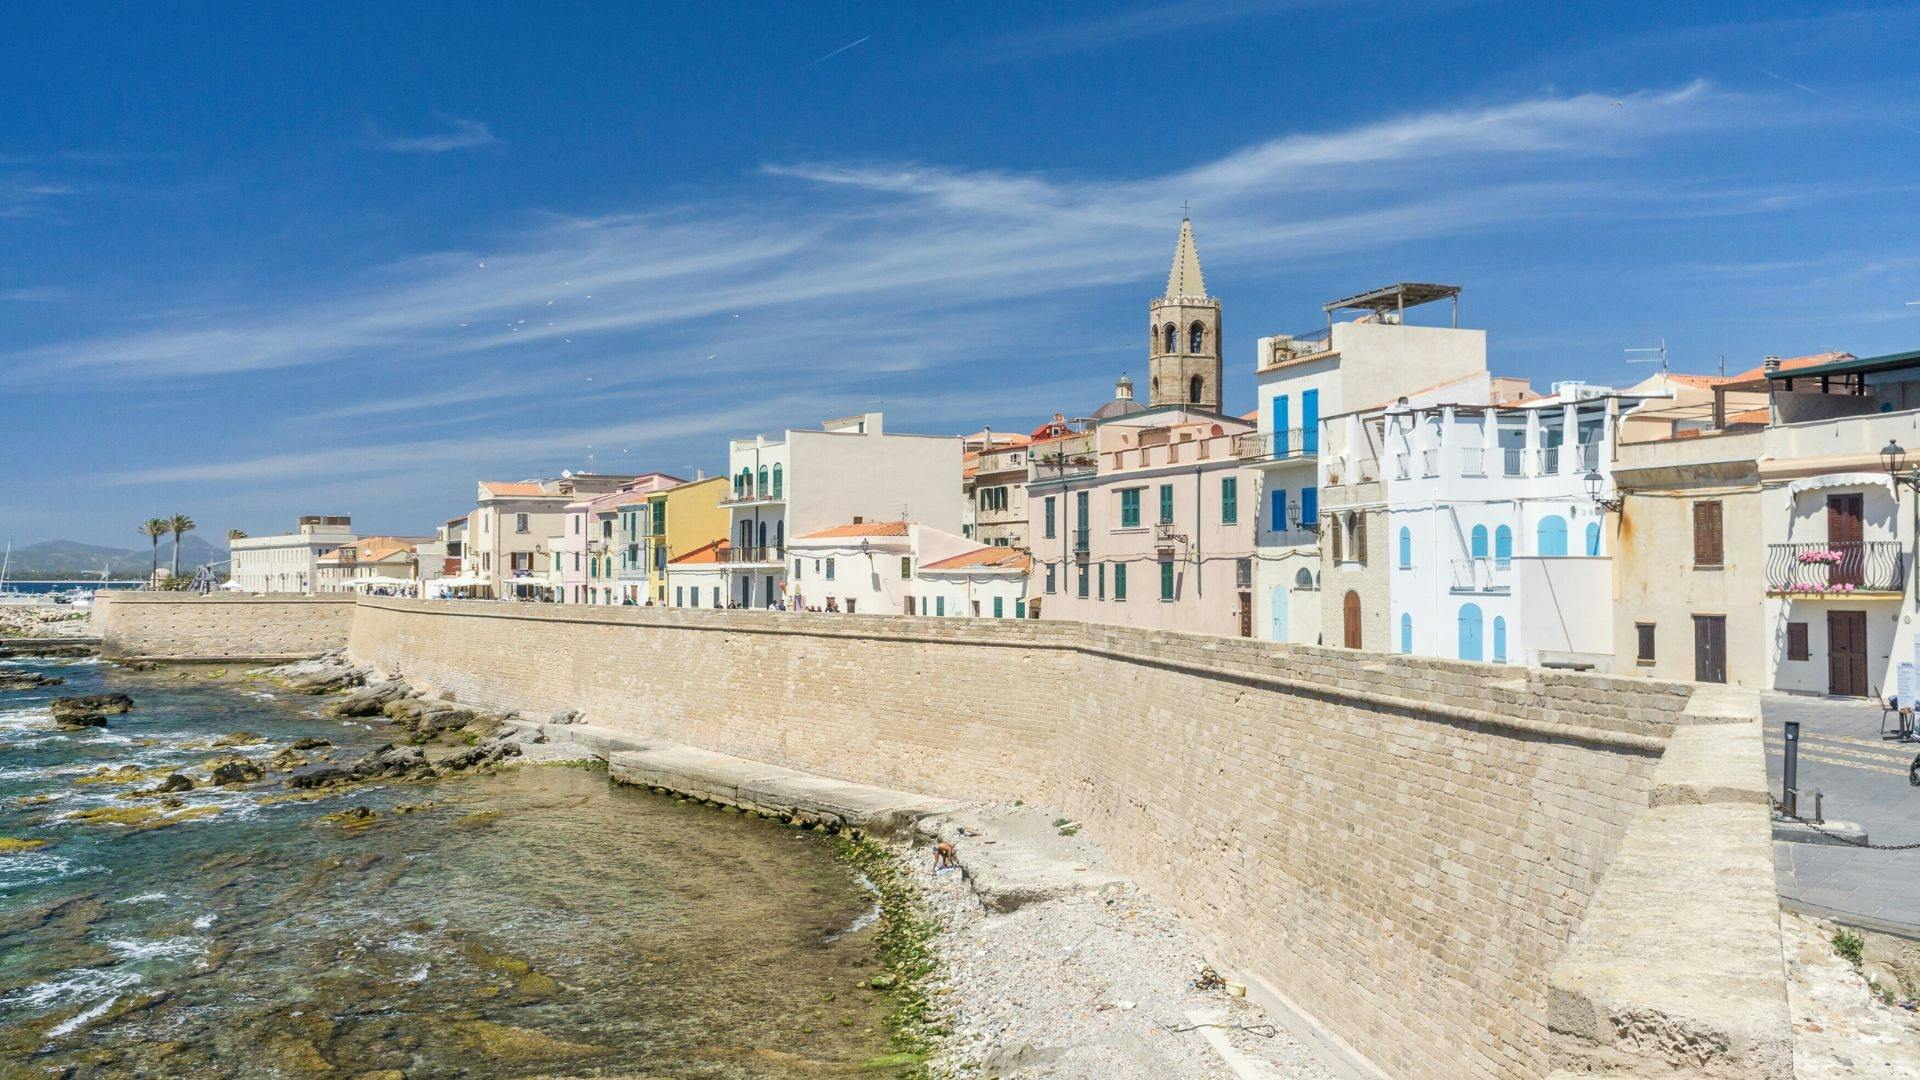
(1595,484)
(1895,457)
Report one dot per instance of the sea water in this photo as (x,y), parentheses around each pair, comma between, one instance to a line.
(537,921)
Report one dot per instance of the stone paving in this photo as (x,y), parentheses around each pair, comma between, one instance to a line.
(1864,779)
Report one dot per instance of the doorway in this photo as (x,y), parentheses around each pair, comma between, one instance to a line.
(1246,614)
(1710,648)
(1277,609)
(1350,610)
(1847,653)
(1843,535)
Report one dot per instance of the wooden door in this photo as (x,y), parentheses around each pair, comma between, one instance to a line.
(1351,610)
(1847,653)
(1710,648)
(1843,535)
(1246,614)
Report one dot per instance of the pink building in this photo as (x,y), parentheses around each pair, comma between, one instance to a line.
(1158,532)
(596,552)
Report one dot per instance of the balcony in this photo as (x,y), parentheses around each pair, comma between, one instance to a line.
(1430,463)
(1549,461)
(1482,575)
(1473,461)
(1282,348)
(1267,447)
(1513,461)
(1836,568)
(751,498)
(757,555)
(1165,538)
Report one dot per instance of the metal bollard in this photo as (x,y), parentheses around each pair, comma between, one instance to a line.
(1790,769)
(1818,819)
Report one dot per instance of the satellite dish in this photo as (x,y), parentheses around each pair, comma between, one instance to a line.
(566,474)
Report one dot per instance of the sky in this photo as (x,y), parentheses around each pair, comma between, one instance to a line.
(266,260)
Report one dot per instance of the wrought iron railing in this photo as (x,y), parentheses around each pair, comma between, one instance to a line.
(1481,574)
(1473,461)
(757,553)
(1824,568)
(1287,445)
(1514,460)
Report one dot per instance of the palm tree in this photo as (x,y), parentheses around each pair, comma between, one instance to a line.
(153,529)
(236,534)
(180,525)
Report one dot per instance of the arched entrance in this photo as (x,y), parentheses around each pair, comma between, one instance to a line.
(1351,611)
(1277,611)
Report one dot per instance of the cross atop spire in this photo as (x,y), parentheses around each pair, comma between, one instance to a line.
(1185,279)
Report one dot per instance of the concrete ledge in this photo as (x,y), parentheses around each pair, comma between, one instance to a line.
(1710,704)
(1677,966)
(770,789)
(1837,833)
(1712,764)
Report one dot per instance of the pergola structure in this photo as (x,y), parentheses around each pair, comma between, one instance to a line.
(1396,298)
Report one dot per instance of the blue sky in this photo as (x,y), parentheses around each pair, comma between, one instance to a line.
(269,260)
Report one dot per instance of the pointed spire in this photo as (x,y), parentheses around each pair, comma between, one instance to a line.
(1185,279)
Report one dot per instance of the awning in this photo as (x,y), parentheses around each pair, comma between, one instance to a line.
(371,582)
(457,582)
(1839,480)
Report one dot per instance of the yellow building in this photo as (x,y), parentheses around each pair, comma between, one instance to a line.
(677,521)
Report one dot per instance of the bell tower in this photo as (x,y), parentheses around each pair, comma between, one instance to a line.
(1183,354)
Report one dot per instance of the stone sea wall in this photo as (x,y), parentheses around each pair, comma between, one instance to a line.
(1398,850)
(183,626)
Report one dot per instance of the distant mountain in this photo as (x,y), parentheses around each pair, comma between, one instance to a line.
(72,559)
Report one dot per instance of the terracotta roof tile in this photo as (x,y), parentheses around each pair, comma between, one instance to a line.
(703,555)
(991,558)
(1790,364)
(861,528)
(501,489)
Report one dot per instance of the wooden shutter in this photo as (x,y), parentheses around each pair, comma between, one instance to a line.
(1337,527)
(1797,641)
(1708,536)
(1360,537)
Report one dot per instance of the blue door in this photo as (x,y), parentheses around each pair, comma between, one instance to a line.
(1470,641)
(1280,421)
(1310,421)
(1593,538)
(1502,546)
(1552,536)
(1406,634)
(1499,640)
(1277,609)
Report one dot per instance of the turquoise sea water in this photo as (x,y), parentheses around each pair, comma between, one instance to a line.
(533,922)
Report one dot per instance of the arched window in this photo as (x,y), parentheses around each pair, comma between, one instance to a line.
(1170,339)
(776,480)
(1406,550)
(1470,645)
(1502,546)
(1196,337)
(1552,536)
(1479,541)
(1593,538)
(1499,639)
(764,489)
(1406,633)
(780,531)
(763,534)
(1195,388)
(1303,579)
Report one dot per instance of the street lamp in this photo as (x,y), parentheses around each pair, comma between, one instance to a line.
(1895,457)
(1594,485)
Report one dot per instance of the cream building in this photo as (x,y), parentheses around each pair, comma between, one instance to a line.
(289,562)
(387,564)
(904,568)
(1352,364)
(1780,556)
(507,554)
(994,487)
(806,480)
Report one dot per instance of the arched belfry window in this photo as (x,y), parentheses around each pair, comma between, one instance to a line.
(1171,339)
(1195,389)
(1196,337)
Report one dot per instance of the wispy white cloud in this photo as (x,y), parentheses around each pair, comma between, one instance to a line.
(1121,27)
(26,196)
(460,134)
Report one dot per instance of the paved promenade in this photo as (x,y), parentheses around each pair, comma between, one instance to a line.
(1864,779)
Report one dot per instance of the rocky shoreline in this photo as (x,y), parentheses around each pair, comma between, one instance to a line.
(42,620)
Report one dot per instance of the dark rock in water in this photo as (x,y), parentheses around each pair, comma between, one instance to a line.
(239,738)
(237,771)
(319,776)
(369,700)
(27,680)
(491,752)
(309,744)
(91,710)
(173,783)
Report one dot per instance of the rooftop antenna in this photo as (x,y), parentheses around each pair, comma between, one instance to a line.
(1660,358)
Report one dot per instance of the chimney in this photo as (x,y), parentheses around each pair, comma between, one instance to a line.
(1772,364)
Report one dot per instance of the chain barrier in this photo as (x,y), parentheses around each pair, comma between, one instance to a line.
(1780,809)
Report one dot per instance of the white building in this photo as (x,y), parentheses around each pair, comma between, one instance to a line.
(804,481)
(1494,547)
(904,568)
(288,563)
(1347,366)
